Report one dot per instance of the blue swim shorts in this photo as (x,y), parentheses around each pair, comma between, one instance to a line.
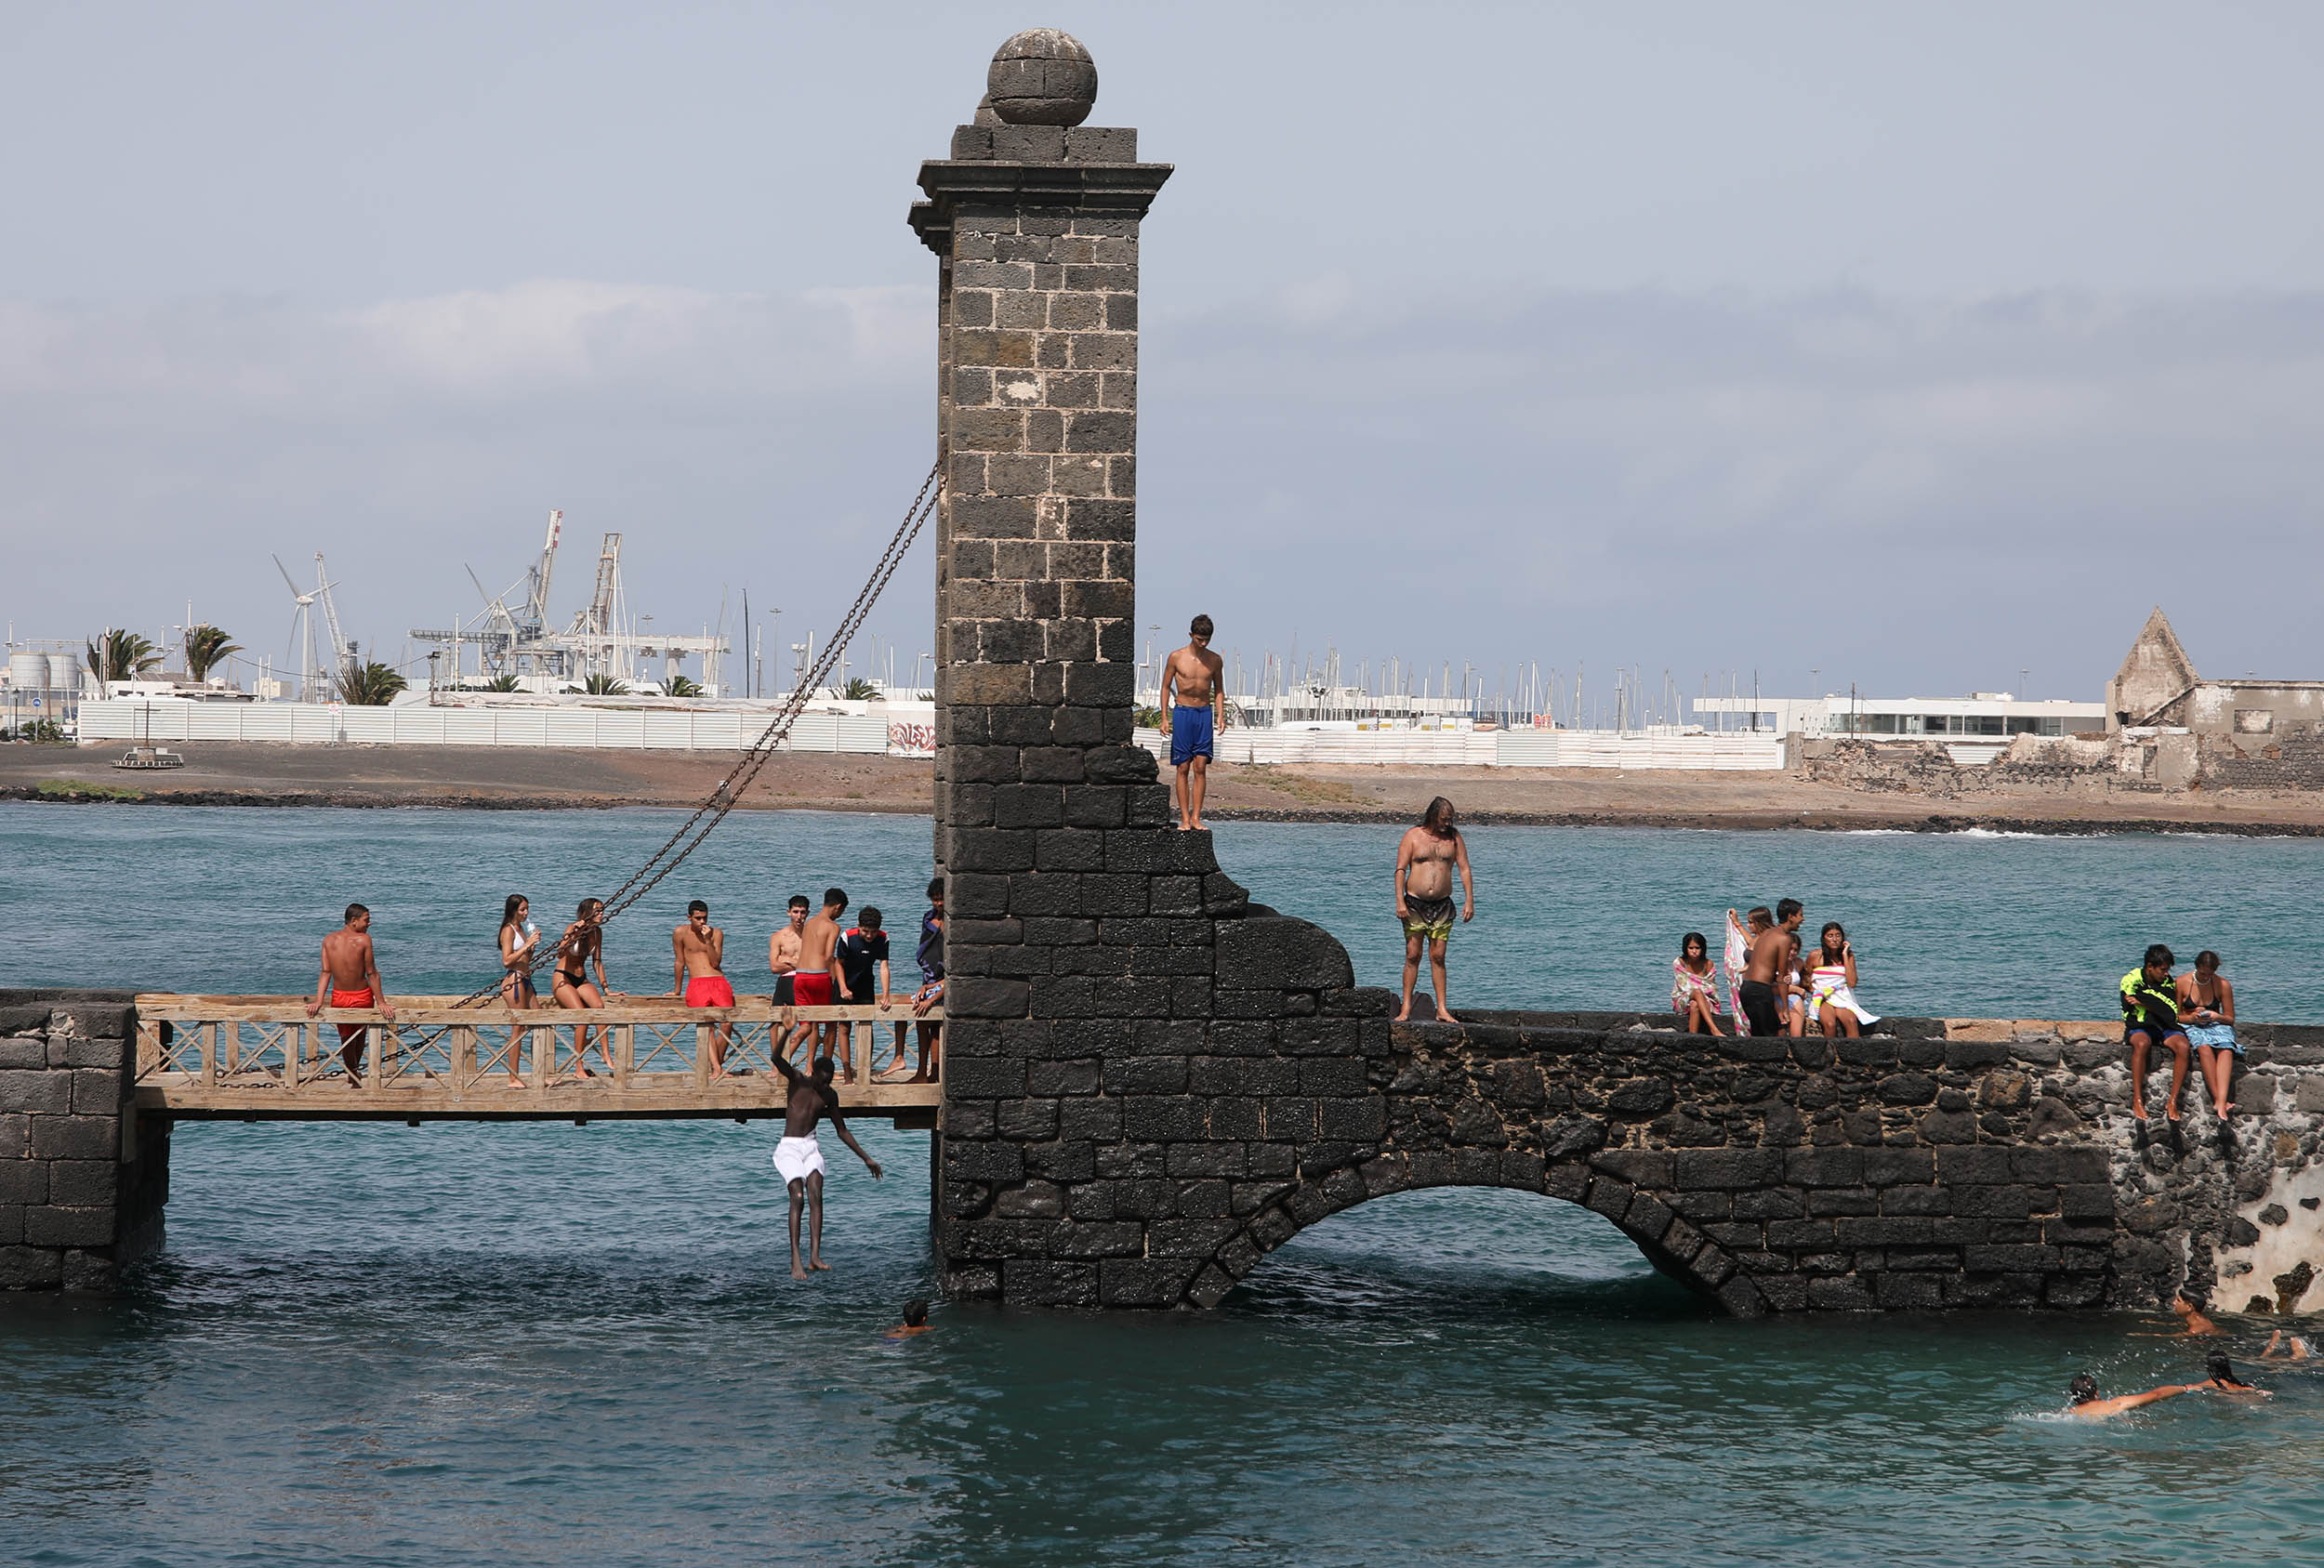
(1190,734)
(2218,1036)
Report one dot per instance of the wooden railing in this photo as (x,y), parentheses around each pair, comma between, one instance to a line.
(262,1057)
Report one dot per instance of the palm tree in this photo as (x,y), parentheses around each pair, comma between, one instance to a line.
(678,686)
(121,656)
(860,690)
(369,685)
(501,683)
(206,648)
(606,686)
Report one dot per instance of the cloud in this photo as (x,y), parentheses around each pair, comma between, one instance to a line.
(1910,489)
(1903,486)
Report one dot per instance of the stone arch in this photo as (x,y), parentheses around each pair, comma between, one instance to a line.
(1647,1216)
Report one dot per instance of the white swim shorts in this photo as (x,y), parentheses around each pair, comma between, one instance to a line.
(797,1158)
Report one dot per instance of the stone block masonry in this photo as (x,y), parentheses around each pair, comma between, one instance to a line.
(82,1177)
(1152,1082)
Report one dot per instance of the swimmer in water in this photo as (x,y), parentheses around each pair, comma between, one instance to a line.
(2193,1312)
(2279,1347)
(2223,1379)
(2082,1395)
(915,1321)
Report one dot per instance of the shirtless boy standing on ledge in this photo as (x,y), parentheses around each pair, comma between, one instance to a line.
(350,978)
(1425,862)
(1192,694)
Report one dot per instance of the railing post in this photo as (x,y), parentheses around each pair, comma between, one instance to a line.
(625,1053)
(545,1054)
(702,1056)
(463,1054)
(294,1050)
(209,1054)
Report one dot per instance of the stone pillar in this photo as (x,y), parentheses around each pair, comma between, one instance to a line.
(82,1177)
(1096,1146)
(1034,226)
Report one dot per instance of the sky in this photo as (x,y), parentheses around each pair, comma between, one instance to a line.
(1921,348)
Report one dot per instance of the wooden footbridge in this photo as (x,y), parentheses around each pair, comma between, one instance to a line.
(262,1058)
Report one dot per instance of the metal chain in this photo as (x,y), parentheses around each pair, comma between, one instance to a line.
(729,793)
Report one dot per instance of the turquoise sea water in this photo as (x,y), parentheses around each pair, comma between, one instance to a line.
(551,1344)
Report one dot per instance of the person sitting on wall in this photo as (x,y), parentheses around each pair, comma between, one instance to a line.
(1695,986)
(1832,980)
(2207,1009)
(2150,1017)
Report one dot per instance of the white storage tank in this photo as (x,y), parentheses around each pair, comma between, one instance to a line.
(64,676)
(27,675)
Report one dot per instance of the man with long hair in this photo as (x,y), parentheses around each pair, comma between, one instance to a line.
(1426,860)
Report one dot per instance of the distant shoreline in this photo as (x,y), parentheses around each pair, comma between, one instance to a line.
(1826,821)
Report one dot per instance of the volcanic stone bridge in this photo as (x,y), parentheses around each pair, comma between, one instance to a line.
(1150,1081)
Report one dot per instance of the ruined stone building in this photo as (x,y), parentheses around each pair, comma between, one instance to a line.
(2180,729)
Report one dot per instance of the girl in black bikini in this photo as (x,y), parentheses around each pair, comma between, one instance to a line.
(583,943)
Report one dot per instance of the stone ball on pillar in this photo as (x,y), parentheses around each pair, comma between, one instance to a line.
(1043,76)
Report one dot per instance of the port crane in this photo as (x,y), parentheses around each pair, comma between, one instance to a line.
(513,636)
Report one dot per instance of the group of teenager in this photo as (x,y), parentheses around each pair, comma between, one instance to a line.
(817,961)
(2083,1398)
(1780,985)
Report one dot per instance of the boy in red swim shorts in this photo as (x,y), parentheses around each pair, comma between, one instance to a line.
(350,978)
(811,982)
(697,949)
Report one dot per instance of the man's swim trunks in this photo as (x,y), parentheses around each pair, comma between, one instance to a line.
(783,997)
(811,989)
(798,1158)
(1431,918)
(709,990)
(1759,1005)
(1190,734)
(361,998)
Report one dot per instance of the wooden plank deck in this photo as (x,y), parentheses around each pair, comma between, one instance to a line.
(262,1058)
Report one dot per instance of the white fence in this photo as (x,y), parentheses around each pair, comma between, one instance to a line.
(1491,748)
(622,729)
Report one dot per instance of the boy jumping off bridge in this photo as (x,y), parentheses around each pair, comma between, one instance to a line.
(799,1158)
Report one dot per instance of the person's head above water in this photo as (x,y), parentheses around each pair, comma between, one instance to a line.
(2083,1389)
(2221,1370)
(915,1313)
